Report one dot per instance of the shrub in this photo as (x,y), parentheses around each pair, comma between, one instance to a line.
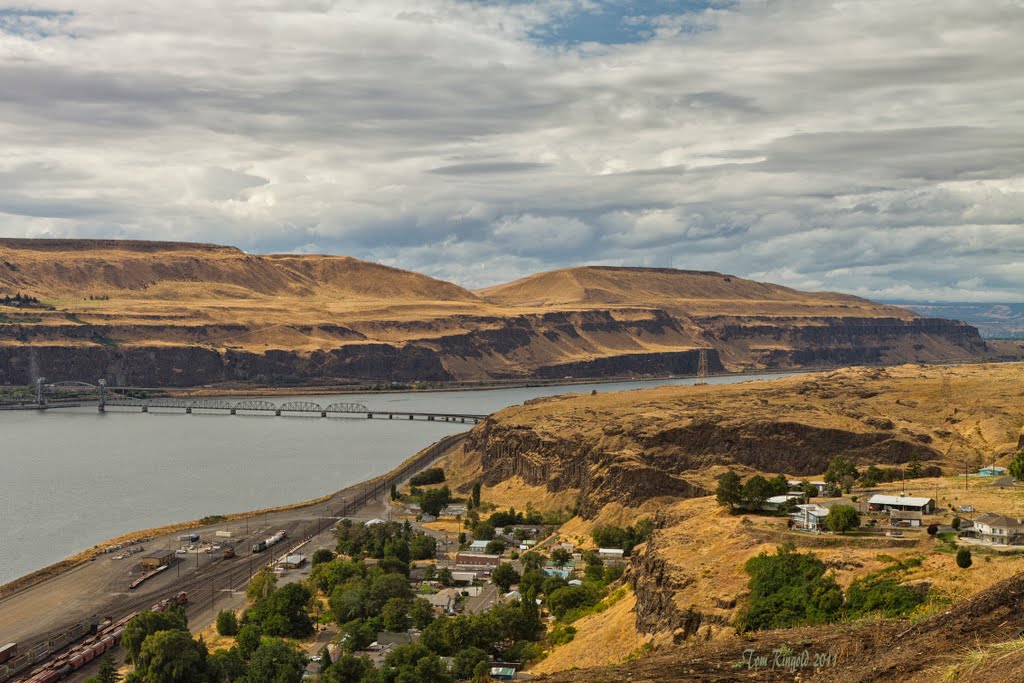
(227,623)
(885,595)
(933,529)
(434,475)
(561,634)
(963,558)
(787,589)
(842,518)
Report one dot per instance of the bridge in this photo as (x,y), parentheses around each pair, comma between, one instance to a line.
(42,396)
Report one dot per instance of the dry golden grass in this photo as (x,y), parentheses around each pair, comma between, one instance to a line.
(605,638)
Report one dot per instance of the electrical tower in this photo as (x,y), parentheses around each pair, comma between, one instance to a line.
(702,366)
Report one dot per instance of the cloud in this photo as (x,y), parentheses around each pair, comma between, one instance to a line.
(873,148)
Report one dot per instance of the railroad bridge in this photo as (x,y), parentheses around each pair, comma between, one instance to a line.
(69,394)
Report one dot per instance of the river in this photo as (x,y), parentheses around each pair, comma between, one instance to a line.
(71,478)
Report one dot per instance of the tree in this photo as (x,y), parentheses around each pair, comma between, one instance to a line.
(730,490)
(227,623)
(348,669)
(933,529)
(571,597)
(1017,466)
(435,500)
(321,556)
(956,523)
(842,518)
(963,558)
(504,575)
(275,661)
(466,661)
(394,492)
(107,672)
(248,639)
(262,585)
(872,476)
(495,547)
(779,485)
(475,496)
(756,491)
(325,659)
(560,556)
(146,624)
(444,575)
(839,467)
(171,657)
(914,467)
(284,613)
(395,615)
(421,613)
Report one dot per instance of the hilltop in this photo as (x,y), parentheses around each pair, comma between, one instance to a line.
(182,314)
(616,457)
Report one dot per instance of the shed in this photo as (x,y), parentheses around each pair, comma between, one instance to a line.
(503,673)
(292,561)
(882,502)
(910,518)
(157,558)
(993,471)
(463,577)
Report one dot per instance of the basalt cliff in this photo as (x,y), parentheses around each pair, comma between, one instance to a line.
(182,314)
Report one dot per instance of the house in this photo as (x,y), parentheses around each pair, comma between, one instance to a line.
(477,547)
(810,517)
(477,561)
(911,518)
(993,471)
(797,485)
(611,553)
(993,528)
(555,571)
(443,600)
(779,502)
(885,503)
(503,673)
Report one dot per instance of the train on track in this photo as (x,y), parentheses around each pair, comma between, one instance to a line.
(272,540)
(107,636)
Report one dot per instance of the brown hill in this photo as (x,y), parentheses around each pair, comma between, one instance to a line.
(179,314)
(684,292)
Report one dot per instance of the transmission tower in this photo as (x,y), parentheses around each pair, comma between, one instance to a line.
(702,366)
(946,390)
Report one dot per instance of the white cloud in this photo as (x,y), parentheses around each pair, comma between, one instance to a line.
(875,148)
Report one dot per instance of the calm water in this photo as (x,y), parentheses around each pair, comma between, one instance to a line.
(72,478)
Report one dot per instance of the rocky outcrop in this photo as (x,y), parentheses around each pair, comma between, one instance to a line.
(184,366)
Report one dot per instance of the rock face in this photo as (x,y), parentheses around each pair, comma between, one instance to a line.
(202,313)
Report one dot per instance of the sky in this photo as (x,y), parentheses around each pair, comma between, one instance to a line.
(875,148)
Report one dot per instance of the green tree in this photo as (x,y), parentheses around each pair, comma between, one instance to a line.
(872,476)
(730,490)
(839,467)
(963,558)
(284,613)
(226,666)
(227,623)
(394,492)
(321,556)
(395,614)
(466,661)
(914,467)
(435,500)
(144,625)
(842,518)
(495,547)
(560,557)
(171,657)
(422,547)
(476,495)
(756,491)
(107,672)
(248,639)
(571,597)
(325,659)
(275,661)
(262,585)
(1016,467)
(779,485)
(504,575)
(421,613)
(348,669)
(444,575)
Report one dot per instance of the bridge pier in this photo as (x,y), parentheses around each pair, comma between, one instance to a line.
(323,413)
(369,416)
(145,409)
(188,410)
(277,413)
(410,417)
(233,412)
(391,417)
(430,418)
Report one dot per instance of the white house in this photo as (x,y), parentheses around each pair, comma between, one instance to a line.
(1000,529)
(885,503)
(779,502)
(810,517)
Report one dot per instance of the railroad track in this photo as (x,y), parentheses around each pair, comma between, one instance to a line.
(223,571)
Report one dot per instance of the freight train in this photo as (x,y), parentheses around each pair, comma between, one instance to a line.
(107,635)
(266,543)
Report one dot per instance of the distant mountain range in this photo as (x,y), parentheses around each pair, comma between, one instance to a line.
(163,313)
(994,321)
